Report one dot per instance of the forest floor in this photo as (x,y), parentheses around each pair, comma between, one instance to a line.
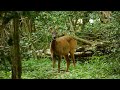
(95,68)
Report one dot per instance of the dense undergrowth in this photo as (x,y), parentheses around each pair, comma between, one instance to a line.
(96,68)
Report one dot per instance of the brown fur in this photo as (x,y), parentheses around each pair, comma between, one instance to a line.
(62,46)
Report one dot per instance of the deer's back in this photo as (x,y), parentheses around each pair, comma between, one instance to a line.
(63,45)
(72,42)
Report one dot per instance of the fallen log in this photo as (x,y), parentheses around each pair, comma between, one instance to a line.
(83,40)
(80,49)
(88,53)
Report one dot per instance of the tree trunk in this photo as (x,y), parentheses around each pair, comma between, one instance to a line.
(16,60)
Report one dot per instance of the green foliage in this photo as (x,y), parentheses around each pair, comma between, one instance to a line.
(109,31)
(60,21)
(45,20)
(96,68)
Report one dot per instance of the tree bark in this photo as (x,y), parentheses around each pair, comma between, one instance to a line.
(16,60)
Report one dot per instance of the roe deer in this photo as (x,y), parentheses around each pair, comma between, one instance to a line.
(62,46)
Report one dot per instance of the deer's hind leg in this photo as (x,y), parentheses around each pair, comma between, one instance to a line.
(73,57)
(68,62)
